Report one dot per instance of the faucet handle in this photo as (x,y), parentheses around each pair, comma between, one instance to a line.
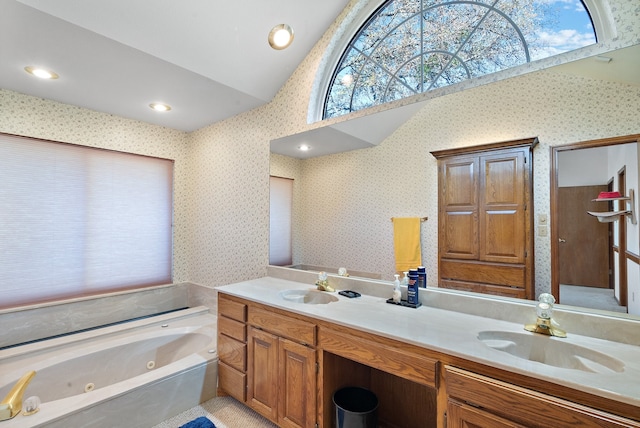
(544,310)
(547,298)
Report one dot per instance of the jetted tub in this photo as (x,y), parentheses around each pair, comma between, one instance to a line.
(135,374)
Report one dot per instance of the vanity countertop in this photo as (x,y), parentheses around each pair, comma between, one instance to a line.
(455,334)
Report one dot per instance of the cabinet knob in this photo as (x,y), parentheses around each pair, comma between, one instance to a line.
(562,241)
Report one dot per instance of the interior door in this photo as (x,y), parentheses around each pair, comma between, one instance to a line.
(584,241)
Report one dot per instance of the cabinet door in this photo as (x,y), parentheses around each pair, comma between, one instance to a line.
(513,403)
(262,373)
(463,416)
(459,208)
(297,392)
(502,207)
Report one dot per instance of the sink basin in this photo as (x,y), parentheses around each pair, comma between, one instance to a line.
(551,351)
(309,297)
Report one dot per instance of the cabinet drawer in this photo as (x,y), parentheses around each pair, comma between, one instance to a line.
(512,275)
(232,352)
(280,325)
(232,382)
(231,309)
(523,405)
(383,357)
(496,290)
(232,328)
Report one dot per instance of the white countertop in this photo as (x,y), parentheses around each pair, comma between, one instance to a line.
(454,333)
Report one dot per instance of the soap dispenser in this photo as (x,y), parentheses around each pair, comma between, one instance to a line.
(397,293)
(405,280)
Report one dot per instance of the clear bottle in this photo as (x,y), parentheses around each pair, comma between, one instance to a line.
(405,280)
(397,293)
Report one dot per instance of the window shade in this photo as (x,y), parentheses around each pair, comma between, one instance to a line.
(77,221)
(280,207)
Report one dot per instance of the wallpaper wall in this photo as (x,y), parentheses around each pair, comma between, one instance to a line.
(221,180)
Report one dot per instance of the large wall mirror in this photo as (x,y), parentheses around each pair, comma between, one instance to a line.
(343,203)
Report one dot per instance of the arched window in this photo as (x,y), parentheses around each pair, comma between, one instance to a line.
(407,47)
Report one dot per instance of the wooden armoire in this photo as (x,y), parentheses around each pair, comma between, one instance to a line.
(485,218)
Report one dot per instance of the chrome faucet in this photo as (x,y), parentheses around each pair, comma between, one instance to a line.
(11,405)
(544,322)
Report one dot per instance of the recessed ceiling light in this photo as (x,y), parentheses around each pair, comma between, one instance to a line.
(41,72)
(160,106)
(304,147)
(280,36)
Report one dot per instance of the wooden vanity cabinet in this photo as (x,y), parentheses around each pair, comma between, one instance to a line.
(232,347)
(485,218)
(287,367)
(281,368)
(268,361)
(482,402)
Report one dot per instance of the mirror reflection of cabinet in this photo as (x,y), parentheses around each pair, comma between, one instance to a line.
(485,217)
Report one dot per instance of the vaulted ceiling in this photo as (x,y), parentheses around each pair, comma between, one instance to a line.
(209,60)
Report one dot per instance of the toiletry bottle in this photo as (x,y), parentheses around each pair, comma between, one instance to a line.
(412,287)
(405,279)
(397,294)
(422,277)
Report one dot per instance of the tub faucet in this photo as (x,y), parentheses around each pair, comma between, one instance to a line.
(544,323)
(11,405)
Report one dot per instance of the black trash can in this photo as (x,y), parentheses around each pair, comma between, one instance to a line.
(356,408)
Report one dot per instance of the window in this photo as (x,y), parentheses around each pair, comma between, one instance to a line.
(411,46)
(77,221)
(280,213)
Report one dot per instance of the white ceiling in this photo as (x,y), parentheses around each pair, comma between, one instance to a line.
(209,60)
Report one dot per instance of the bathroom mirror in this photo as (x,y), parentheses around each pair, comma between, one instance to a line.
(351,197)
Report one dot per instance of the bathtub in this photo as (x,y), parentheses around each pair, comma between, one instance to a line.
(135,374)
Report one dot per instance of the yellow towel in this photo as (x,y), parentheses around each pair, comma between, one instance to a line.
(406,242)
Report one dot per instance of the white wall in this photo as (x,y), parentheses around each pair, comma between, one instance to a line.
(583,167)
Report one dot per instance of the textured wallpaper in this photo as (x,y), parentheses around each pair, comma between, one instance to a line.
(222,186)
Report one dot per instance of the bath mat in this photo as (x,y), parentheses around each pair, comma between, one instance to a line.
(200,422)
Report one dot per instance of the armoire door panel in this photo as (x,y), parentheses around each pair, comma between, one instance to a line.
(461,178)
(503,239)
(503,179)
(502,208)
(459,209)
(460,235)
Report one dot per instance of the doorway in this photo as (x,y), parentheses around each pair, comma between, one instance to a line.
(622,242)
(566,268)
(583,240)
